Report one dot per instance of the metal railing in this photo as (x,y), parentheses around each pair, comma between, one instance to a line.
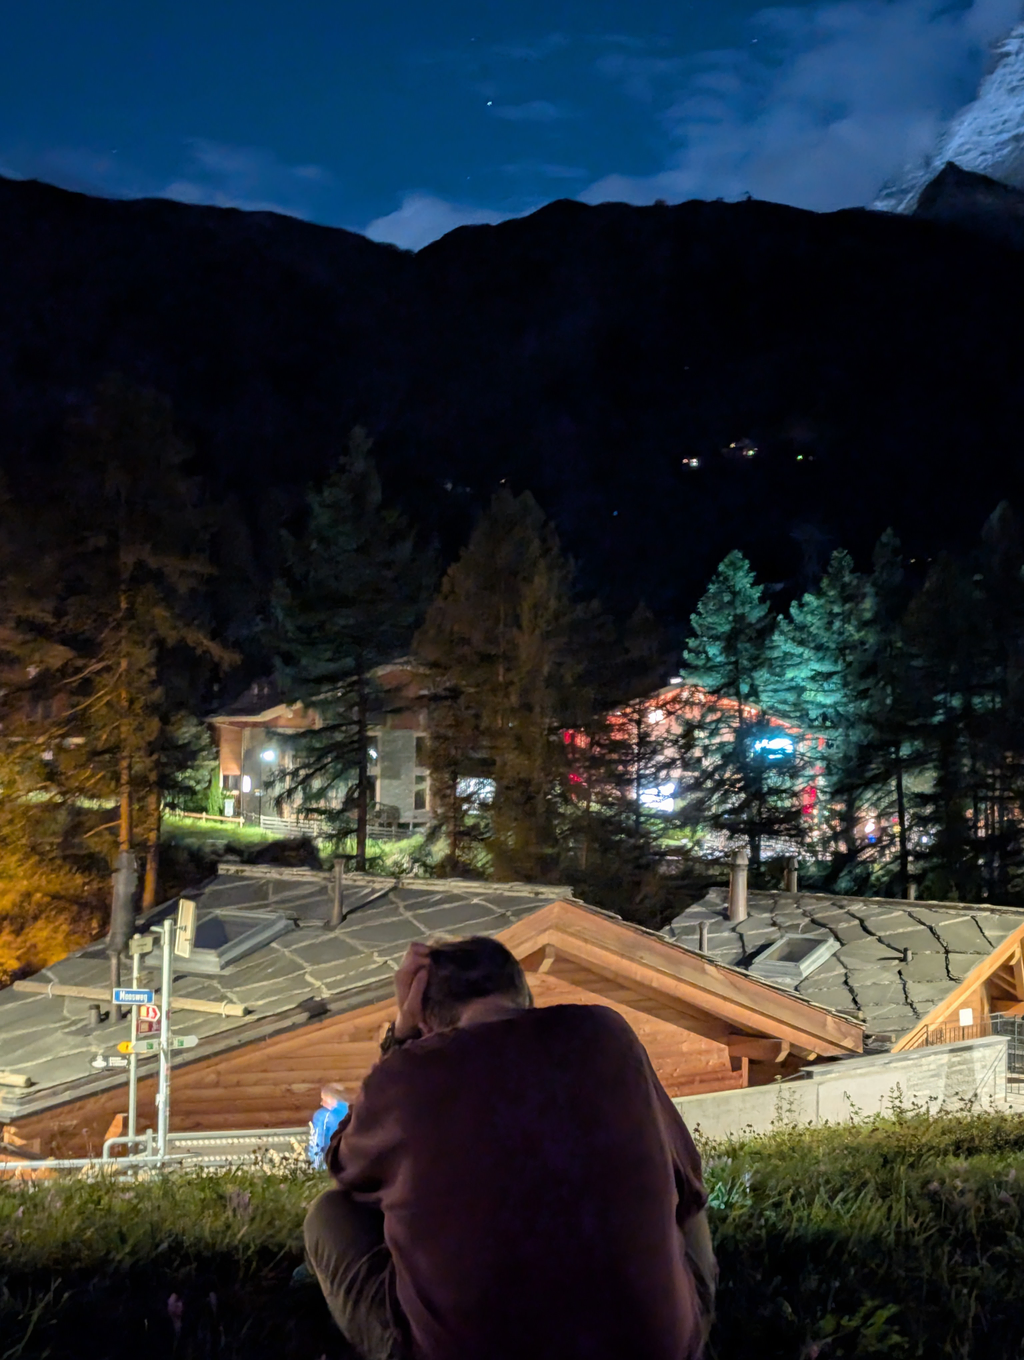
(1010,1027)
(259,1141)
(185,1151)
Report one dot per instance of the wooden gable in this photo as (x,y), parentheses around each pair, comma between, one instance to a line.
(994,987)
(706,1027)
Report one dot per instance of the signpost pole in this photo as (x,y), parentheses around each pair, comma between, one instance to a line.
(164,1093)
(133,1062)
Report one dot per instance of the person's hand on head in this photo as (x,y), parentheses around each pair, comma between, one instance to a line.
(410,984)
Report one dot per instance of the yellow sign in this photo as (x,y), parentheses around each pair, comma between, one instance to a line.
(125,1047)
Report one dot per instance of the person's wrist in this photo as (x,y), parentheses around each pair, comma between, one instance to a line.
(394,1039)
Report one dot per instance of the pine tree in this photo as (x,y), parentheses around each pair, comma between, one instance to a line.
(966,626)
(734,786)
(499,641)
(351,592)
(818,678)
(134,577)
(890,756)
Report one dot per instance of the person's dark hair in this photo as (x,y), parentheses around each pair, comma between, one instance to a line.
(466,970)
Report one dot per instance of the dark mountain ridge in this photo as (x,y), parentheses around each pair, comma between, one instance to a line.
(873,362)
(975,202)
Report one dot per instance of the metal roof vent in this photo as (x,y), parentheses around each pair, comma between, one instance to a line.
(793,957)
(224,936)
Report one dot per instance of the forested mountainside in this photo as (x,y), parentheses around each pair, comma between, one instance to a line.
(670,382)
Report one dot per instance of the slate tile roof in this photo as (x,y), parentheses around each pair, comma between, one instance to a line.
(49,1038)
(896,961)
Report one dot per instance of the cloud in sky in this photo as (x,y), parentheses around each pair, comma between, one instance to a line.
(422,218)
(245,177)
(535,51)
(105,174)
(821,107)
(533,111)
(214,173)
(545,169)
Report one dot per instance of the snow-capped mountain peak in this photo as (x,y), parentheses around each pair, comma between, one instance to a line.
(987,136)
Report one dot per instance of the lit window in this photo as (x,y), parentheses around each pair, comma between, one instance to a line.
(246,784)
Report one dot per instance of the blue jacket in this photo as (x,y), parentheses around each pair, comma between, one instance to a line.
(321,1127)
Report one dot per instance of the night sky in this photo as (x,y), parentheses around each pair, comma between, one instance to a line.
(403,119)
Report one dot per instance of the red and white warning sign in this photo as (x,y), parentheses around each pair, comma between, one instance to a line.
(149,1012)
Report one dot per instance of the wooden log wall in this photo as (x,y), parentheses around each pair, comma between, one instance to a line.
(275,1082)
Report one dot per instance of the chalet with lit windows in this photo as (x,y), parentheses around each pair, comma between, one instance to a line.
(253,735)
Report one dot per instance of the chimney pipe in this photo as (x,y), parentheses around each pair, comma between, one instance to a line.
(789,878)
(337,895)
(702,936)
(738,886)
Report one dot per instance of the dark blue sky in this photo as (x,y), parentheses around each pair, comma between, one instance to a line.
(403,119)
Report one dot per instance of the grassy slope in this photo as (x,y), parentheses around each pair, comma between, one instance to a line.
(896,1239)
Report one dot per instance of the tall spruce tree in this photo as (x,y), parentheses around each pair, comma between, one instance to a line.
(966,627)
(351,592)
(818,677)
(890,757)
(735,786)
(499,641)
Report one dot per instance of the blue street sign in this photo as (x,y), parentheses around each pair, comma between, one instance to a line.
(132,996)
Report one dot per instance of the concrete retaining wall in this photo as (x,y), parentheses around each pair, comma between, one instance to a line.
(853,1089)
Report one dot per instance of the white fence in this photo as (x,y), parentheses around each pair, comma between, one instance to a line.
(320,830)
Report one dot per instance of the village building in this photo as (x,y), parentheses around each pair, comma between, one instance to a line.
(290,1002)
(252,736)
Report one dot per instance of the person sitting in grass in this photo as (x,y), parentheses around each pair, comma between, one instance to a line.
(511,1183)
(333,1109)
